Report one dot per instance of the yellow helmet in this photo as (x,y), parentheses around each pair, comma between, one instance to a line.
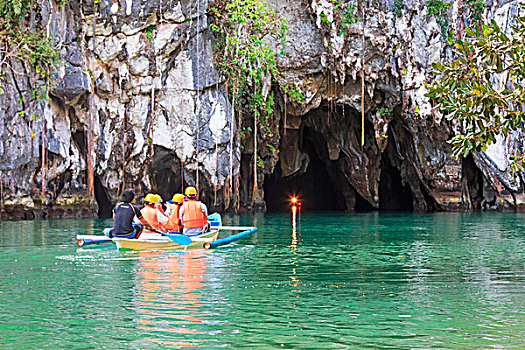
(190,191)
(178,198)
(159,198)
(151,198)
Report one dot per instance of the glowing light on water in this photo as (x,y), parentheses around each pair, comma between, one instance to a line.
(294,219)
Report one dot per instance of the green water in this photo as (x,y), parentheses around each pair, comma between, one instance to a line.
(370,281)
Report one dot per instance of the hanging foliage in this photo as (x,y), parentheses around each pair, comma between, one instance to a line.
(24,39)
(467,91)
(245,30)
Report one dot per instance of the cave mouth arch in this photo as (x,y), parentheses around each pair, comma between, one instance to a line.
(105,207)
(316,186)
(312,167)
(164,173)
(394,195)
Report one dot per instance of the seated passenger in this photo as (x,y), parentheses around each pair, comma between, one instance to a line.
(194,214)
(153,213)
(173,212)
(123,214)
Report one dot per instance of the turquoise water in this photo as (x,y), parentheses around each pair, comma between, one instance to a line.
(359,281)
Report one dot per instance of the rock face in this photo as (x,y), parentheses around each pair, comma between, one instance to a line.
(142,74)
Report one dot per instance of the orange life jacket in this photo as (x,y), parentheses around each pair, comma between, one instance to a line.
(173,218)
(193,216)
(150,214)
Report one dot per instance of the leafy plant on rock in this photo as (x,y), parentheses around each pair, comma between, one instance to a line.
(397,8)
(439,9)
(25,47)
(245,56)
(344,15)
(466,90)
(23,39)
(476,9)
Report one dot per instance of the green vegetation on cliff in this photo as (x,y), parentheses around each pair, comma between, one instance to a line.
(24,39)
(250,36)
(244,54)
(482,88)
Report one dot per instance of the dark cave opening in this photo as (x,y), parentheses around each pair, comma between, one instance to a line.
(164,173)
(80,139)
(322,182)
(362,205)
(105,206)
(473,181)
(393,194)
(314,187)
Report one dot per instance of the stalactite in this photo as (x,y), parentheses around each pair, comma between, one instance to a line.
(255,122)
(216,174)
(91,118)
(284,123)
(363,79)
(150,140)
(123,137)
(232,121)
(1,191)
(43,152)
(236,194)
(182,176)
(216,182)
(46,167)
(198,97)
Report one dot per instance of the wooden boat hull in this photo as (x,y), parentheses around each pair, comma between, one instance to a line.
(164,243)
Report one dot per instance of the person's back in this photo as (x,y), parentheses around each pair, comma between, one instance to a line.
(124,213)
(152,214)
(193,214)
(173,212)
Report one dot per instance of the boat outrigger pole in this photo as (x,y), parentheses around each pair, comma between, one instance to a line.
(247,231)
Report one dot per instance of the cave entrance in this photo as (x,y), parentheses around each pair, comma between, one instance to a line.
(105,207)
(314,186)
(164,173)
(394,195)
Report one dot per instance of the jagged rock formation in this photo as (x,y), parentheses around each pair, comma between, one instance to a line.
(161,117)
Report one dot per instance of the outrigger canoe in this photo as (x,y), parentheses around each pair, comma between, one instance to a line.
(155,241)
(163,243)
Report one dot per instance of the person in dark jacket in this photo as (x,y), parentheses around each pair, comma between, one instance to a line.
(123,213)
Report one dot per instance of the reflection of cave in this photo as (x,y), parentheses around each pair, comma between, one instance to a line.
(104,202)
(164,173)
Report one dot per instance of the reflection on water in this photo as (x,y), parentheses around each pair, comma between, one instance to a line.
(294,261)
(169,295)
(403,281)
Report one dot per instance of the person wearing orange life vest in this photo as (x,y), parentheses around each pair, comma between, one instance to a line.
(153,212)
(193,214)
(173,212)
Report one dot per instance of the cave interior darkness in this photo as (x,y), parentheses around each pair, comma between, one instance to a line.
(317,188)
(314,188)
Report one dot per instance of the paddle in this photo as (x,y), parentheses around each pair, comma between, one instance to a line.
(177,238)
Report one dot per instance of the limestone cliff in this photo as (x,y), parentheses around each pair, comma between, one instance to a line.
(141,73)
